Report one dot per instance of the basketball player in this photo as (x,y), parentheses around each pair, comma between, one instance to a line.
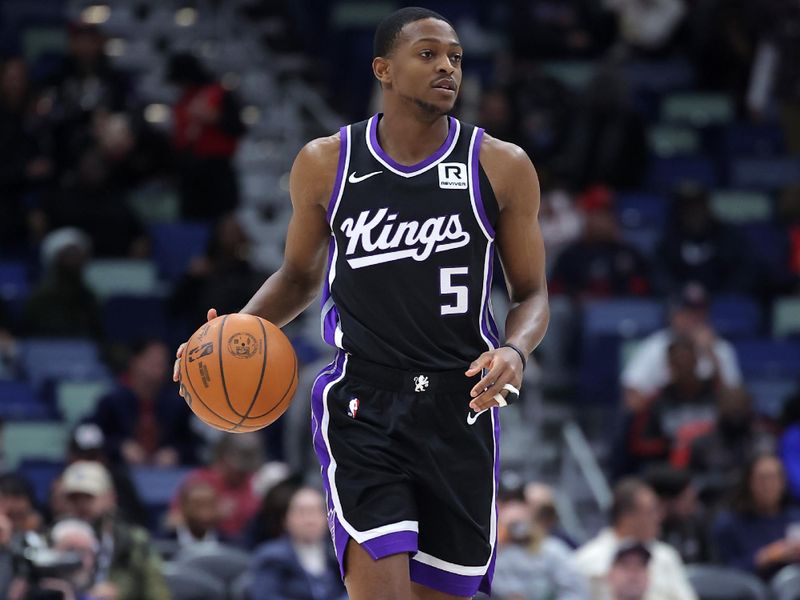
(399,216)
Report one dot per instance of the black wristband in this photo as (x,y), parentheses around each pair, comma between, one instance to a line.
(518,351)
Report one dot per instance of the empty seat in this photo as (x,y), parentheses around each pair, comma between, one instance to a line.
(786,316)
(768,359)
(186,583)
(150,318)
(666,173)
(738,207)
(175,244)
(697,109)
(712,582)
(764,173)
(77,399)
(109,277)
(33,439)
(223,562)
(736,316)
(44,359)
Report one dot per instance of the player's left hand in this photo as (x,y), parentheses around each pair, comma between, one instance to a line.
(503,366)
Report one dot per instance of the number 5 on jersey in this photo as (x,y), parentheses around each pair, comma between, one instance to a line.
(461,292)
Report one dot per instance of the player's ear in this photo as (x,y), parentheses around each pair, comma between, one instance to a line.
(380,67)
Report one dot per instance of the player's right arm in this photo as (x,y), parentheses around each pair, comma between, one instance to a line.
(288,291)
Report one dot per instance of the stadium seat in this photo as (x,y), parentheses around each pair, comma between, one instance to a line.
(77,399)
(44,359)
(110,277)
(739,207)
(768,359)
(712,582)
(736,316)
(786,317)
(223,562)
(673,140)
(150,321)
(41,474)
(33,439)
(666,173)
(20,402)
(638,209)
(185,583)
(785,585)
(175,244)
(697,109)
(770,395)
(758,173)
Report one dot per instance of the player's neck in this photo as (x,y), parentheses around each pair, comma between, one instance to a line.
(409,139)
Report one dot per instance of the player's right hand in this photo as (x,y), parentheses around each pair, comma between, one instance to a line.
(176,368)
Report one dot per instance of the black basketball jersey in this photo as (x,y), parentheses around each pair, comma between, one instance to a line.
(411,253)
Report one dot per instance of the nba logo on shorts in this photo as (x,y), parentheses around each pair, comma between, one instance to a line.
(453,175)
(352,409)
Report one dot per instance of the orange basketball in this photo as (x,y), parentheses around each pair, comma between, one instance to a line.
(238,373)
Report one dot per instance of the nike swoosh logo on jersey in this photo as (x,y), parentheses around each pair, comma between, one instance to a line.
(472,417)
(354,179)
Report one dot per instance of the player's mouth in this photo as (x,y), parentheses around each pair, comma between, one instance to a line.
(447,85)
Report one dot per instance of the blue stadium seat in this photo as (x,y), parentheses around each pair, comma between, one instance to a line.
(175,244)
(20,402)
(666,173)
(736,316)
(769,395)
(765,358)
(45,359)
(40,473)
(764,173)
(150,318)
(641,210)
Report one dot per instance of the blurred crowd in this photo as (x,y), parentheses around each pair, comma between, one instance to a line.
(700,474)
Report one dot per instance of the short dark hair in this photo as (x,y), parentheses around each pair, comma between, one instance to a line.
(624,501)
(391,25)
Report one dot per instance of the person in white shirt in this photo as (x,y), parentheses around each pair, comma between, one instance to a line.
(635,516)
(647,371)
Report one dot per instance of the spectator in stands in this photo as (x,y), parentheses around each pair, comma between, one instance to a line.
(223,278)
(207,127)
(62,305)
(532,565)
(199,515)
(699,248)
(790,443)
(684,524)
(761,532)
(600,265)
(143,419)
(635,515)
(688,401)
(647,371)
(87,442)
(646,25)
(25,166)
(18,503)
(236,458)
(300,565)
(628,578)
(125,561)
(716,458)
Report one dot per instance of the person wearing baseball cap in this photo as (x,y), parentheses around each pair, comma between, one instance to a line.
(125,559)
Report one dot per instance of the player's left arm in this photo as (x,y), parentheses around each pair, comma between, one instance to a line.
(519,242)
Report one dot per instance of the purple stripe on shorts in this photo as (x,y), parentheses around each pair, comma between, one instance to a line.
(373,136)
(344,142)
(476,183)
(391,543)
(444,581)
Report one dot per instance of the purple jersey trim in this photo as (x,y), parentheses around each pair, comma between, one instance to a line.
(344,143)
(476,183)
(373,135)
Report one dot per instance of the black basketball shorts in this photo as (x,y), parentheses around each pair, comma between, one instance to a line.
(409,468)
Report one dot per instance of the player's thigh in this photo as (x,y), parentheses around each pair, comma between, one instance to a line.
(420,592)
(382,579)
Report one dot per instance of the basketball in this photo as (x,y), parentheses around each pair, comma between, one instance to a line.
(238,373)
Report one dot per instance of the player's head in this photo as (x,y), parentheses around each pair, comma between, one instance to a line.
(417,58)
